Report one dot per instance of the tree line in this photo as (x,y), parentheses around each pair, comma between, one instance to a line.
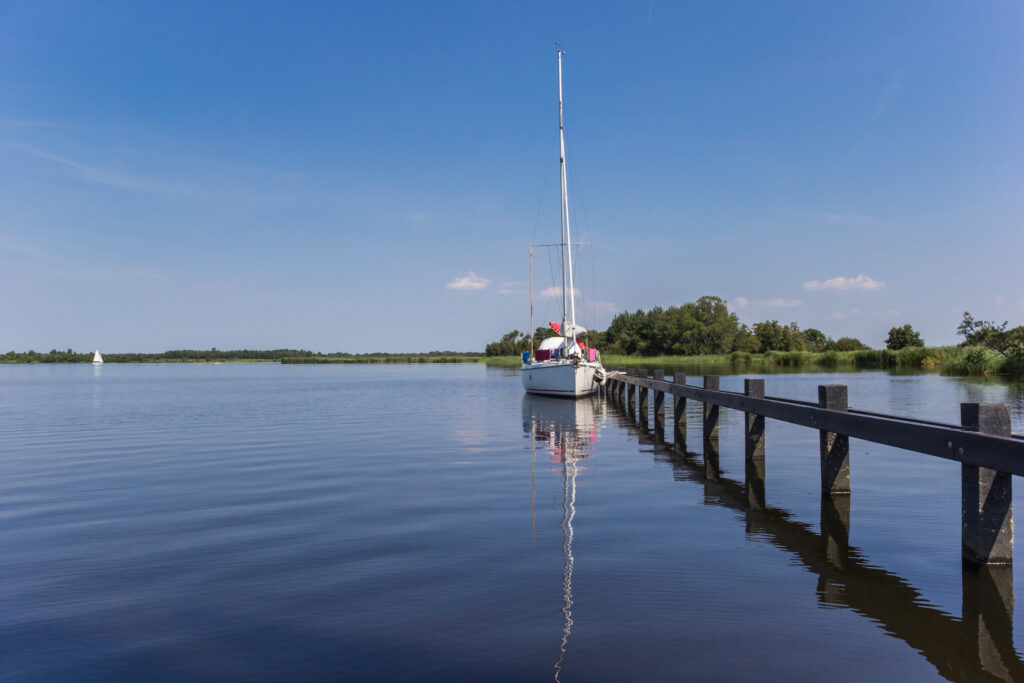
(702,327)
(211,355)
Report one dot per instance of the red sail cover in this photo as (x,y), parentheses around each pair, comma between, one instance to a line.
(556,327)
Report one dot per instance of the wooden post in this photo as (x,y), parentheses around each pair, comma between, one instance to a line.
(754,450)
(659,408)
(710,410)
(631,395)
(643,393)
(622,389)
(679,415)
(834,448)
(987,494)
(754,422)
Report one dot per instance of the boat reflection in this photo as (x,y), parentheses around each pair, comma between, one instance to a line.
(567,431)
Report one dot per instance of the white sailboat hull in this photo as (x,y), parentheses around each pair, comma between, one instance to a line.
(559,379)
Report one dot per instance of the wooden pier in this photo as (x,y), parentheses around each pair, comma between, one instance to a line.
(983,443)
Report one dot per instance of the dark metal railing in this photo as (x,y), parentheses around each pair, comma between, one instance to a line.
(984,443)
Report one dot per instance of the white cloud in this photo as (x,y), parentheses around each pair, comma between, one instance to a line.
(468,282)
(514,287)
(744,302)
(846,283)
(556,292)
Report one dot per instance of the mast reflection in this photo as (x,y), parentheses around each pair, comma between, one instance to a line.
(566,430)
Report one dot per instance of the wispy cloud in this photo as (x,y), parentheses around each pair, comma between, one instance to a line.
(744,302)
(468,282)
(102,176)
(842,315)
(850,219)
(556,292)
(604,307)
(23,249)
(23,123)
(862,282)
(514,287)
(889,93)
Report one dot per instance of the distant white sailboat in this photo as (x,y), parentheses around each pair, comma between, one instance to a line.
(97,359)
(563,365)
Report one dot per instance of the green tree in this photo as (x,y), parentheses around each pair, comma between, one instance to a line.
(746,341)
(815,340)
(771,336)
(848,344)
(511,344)
(902,337)
(1008,343)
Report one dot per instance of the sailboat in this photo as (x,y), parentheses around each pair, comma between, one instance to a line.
(97,359)
(562,365)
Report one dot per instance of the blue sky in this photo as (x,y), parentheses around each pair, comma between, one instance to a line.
(368,176)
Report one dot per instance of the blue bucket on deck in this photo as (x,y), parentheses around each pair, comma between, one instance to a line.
(526,357)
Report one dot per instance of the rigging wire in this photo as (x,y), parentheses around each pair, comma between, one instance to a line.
(543,187)
(582,219)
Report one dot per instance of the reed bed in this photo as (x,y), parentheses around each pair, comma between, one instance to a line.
(948,360)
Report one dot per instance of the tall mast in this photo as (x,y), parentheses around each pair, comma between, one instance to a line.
(568,296)
(531,303)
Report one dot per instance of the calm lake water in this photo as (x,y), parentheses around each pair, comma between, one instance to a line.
(428,522)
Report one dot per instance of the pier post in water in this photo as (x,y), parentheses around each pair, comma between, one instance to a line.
(643,393)
(631,395)
(754,449)
(987,609)
(834,448)
(835,529)
(710,410)
(987,494)
(754,423)
(679,415)
(659,408)
(622,389)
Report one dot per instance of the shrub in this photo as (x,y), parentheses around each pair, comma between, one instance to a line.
(829,359)
(869,358)
(848,344)
(903,337)
(739,358)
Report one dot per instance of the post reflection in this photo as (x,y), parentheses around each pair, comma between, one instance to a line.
(976,647)
(566,430)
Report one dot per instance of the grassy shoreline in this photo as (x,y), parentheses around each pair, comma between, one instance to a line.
(357,360)
(948,360)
